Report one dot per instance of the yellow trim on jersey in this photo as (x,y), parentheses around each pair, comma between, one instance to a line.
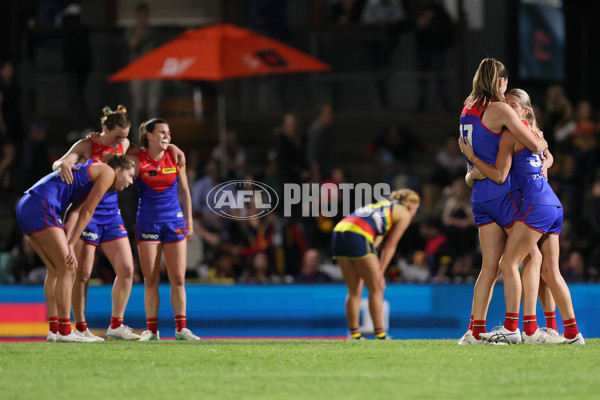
(343,226)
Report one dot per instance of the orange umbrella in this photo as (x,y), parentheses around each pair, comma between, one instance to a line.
(216,53)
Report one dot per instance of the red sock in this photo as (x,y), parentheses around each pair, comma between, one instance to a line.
(152,324)
(478,327)
(53,324)
(64,326)
(570,328)
(115,322)
(471,323)
(81,326)
(180,322)
(530,324)
(551,320)
(511,321)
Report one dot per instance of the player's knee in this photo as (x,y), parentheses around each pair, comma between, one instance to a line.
(124,271)
(151,282)
(177,279)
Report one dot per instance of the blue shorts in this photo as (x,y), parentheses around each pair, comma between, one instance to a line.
(352,245)
(503,210)
(96,233)
(164,232)
(34,214)
(544,219)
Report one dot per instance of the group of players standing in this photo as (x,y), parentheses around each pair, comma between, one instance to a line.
(83,190)
(518,215)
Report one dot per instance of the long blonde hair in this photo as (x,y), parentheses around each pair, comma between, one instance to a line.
(486,83)
(525,102)
(406,196)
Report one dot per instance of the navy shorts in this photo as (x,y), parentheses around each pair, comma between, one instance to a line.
(100,233)
(544,219)
(161,232)
(35,214)
(503,210)
(352,245)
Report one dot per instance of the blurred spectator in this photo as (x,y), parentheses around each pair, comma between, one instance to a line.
(234,156)
(310,271)
(77,62)
(417,271)
(292,166)
(450,163)
(457,217)
(346,12)
(145,94)
(260,271)
(10,103)
(395,144)
(437,249)
(385,16)
(199,193)
(584,140)
(555,113)
(435,34)
(34,161)
(221,269)
(10,124)
(319,145)
(574,268)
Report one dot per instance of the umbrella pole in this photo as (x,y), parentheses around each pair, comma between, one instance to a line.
(222,133)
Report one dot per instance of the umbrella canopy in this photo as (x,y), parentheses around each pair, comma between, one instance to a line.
(216,53)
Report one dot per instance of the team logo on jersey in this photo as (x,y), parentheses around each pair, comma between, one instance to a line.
(169,170)
(149,236)
(89,235)
(152,172)
(180,214)
(242,199)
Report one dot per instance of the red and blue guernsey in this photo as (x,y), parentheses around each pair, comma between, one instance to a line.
(535,188)
(44,204)
(108,208)
(485,145)
(159,216)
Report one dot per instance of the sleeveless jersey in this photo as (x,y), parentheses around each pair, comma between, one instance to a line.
(109,205)
(371,220)
(535,188)
(157,188)
(60,194)
(485,144)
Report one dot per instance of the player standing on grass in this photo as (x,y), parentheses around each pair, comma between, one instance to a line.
(495,206)
(540,220)
(164,220)
(355,239)
(106,228)
(38,214)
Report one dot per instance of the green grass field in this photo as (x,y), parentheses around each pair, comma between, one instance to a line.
(298,369)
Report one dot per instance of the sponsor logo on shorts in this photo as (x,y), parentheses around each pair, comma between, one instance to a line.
(180,231)
(90,235)
(149,236)
(121,227)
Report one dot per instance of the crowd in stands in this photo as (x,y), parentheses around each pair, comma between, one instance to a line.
(441,245)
